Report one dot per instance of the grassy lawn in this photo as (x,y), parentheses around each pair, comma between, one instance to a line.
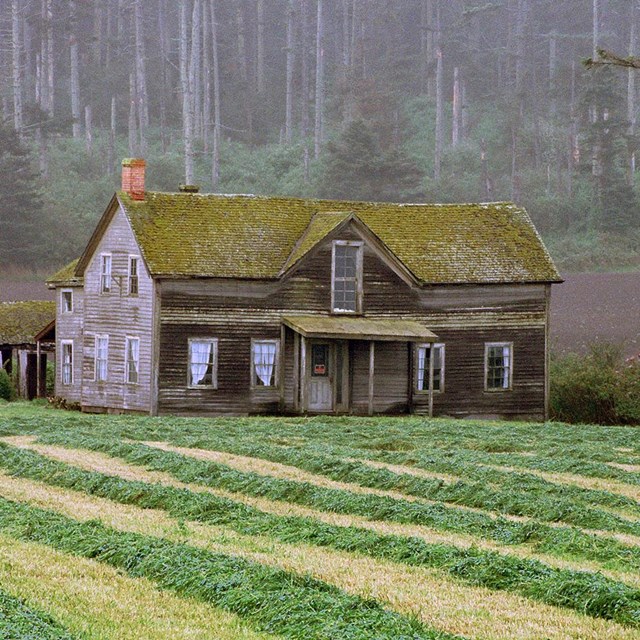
(128,527)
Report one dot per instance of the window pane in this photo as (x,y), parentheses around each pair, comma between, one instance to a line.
(264,363)
(498,366)
(345,281)
(201,363)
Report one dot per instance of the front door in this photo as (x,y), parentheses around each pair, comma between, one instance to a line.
(321,378)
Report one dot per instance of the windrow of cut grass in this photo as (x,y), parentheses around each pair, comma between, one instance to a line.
(440,601)
(563,542)
(272,600)
(94,600)
(585,592)
(494,490)
(18,621)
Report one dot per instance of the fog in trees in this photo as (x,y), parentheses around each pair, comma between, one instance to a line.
(427,100)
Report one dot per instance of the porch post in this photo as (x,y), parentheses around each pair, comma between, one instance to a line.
(282,360)
(372,359)
(303,374)
(38,382)
(296,371)
(431,380)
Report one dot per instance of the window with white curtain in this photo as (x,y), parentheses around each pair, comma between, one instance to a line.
(264,363)
(203,362)
(67,362)
(498,365)
(105,272)
(424,355)
(132,360)
(101,358)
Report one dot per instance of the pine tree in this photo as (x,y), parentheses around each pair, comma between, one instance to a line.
(21,220)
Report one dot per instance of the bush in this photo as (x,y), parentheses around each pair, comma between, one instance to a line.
(7,390)
(599,388)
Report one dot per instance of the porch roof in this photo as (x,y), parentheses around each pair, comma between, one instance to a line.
(356,328)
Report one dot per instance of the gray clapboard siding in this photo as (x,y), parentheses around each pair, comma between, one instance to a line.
(69,326)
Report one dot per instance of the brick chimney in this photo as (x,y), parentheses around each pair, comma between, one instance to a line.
(133,177)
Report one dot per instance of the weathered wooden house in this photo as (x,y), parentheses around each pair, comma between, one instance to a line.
(188,303)
(27,340)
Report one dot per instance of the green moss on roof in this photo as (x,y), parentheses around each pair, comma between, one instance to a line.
(20,321)
(66,275)
(241,236)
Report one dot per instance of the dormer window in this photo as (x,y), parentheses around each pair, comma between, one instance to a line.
(105,272)
(346,276)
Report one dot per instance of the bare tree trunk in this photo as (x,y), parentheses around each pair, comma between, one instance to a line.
(215,160)
(141,78)
(456,123)
(194,66)
(244,68)
(319,81)
(437,160)
(487,186)
(187,119)
(260,71)
(133,115)
(88,131)
(111,147)
(75,71)
(305,70)
(553,57)
(346,37)
(427,45)
(596,29)
(288,121)
(165,79)
(573,155)
(206,77)
(631,87)
(18,77)
(50,58)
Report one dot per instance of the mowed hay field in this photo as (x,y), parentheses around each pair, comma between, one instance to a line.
(120,527)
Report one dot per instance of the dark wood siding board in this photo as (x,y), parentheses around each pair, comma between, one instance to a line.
(464,392)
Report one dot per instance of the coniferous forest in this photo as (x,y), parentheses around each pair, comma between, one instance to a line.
(404,100)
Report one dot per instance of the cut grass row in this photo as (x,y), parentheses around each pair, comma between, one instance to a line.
(585,592)
(562,542)
(18,621)
(94,600)
(274,601)
(439,601)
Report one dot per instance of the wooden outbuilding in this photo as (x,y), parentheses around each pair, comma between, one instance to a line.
(188,303)
(27,343)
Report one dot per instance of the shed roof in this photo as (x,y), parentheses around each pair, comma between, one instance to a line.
(66,276)
(243,236)
(21,321)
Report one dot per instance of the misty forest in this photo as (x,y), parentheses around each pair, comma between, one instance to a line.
(408,100)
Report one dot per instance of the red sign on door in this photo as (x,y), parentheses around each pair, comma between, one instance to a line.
(319,369)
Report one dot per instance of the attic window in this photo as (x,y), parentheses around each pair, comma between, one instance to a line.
(105,272)
(346,277)
(133,275)
(67,301)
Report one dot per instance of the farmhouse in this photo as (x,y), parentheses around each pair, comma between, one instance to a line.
(189,303)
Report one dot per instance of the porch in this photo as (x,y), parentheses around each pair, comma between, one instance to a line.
(353,365)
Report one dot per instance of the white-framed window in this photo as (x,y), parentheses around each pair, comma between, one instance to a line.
(66,362)
(132,360)
(498,366)
(67,300)
(203,363)
(346,277)
(264,363)
(134,263)
(424,352)
(105,272)
(101,358)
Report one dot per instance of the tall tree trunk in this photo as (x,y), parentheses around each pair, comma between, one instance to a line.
(206,77)
(195,75)
(426,45)
(305,70)
(75,70)
(215,160)
(596,29)
(260,70)
(141,78)
(631,86)
(165,81)
(187,118)
(319,80)
(456,122)
(244,68)
(288,120)
(111,147)
(553,63)
(49,59)
(437,160)
(88,129)
(16,51)
(133,115)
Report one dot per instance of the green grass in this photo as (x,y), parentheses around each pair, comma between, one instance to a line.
(273,600)
(585,592)
(18,621)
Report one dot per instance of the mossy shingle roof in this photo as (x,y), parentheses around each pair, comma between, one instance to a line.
(66,276)
(241,236)
(21,321)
